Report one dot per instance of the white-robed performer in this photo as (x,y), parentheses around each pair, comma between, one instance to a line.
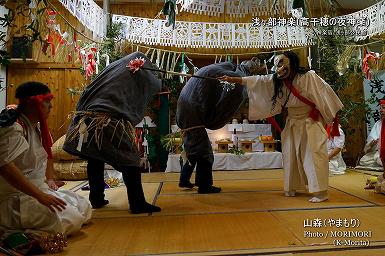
(374,143)
(337,164)
(311,103)
(26,201)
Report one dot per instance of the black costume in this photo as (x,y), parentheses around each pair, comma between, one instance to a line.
(203,103)
(102,128)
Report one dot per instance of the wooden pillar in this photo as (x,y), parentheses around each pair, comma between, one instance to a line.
(106,10)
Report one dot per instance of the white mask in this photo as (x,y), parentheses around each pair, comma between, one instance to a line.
(282,66)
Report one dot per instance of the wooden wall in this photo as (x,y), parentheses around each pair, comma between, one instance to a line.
(59,77)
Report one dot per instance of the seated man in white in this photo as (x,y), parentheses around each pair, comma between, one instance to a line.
(337,165)
(374,145)
(26,201)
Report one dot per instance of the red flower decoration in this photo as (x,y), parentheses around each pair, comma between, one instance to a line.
(136,64)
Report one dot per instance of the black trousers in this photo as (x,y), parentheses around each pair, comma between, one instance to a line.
(204,173)
(131,177)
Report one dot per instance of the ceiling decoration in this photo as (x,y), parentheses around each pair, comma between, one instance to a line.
(89,14)
(212,35)
(236,7)
(227,35)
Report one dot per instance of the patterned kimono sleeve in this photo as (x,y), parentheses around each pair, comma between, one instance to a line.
(323,96)
(260,90)
(12,143)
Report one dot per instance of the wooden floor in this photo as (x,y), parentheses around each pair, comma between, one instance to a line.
(249,217)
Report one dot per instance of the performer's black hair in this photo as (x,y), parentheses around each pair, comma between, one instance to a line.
(294,69)
(31,88)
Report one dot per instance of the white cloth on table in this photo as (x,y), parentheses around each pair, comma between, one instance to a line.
(372,159)
(249,132)
(337,164)
(227,161)
(304,141)
(19,211)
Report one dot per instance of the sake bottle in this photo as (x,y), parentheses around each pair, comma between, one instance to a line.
(235,138)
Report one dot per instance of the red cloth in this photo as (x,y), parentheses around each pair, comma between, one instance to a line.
(46,138)
(274,123)
(382,145)
(336,123)
(314,112)
(328,129)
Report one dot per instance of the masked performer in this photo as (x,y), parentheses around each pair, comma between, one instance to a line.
(203,103)
(102,128)
(26,201)
(311,103)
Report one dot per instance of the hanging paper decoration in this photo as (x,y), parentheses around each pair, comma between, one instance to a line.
(369,63)
(51,25)
(56,40)
(309,59)
(77,47)
(235,7)
(91,63)
(89,14)
(49,43)
(183,68)
(212,35)
(169,10)
(195,69)
(244,35)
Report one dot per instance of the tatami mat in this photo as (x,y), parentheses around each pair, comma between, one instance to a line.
(73,185)
(179,234)
(118,206)
(217,175)
(354,183)
(229,185)
(251,174)
(345,252)
(250,216)
(376,169)
(249,201)
(370,172)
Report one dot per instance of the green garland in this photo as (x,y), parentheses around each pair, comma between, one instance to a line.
(236,151)
(172,142)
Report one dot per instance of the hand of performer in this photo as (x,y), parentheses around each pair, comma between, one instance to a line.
(53,203)
(52,184)
(373,142)
(231,79)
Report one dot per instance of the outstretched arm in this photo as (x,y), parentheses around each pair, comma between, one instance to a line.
(12,174)
(50,177)
(231,79)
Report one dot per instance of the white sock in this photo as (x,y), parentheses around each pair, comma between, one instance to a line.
(319,197)
(290,193)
